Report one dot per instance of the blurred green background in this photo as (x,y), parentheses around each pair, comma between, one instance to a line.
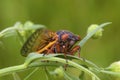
(73,15)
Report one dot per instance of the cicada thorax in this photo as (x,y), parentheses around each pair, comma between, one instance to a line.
(39,41)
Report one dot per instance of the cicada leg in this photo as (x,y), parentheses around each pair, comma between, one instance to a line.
(75,49)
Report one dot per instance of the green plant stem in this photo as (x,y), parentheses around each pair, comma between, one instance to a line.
(74,65)
(117,74)
(89,35)
(36,69)
(36,57)
(15,76)
(12,69)
(67,77)
(2,33)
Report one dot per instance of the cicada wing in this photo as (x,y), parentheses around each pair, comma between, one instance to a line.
(38,40)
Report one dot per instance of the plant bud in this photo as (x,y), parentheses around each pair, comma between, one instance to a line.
(98,34)
(59,74)
(115,67)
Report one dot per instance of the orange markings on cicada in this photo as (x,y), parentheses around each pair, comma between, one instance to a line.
(47,46)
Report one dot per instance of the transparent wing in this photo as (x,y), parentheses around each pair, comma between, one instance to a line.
(38,40)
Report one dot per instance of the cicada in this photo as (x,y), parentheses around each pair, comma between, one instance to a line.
(47,42)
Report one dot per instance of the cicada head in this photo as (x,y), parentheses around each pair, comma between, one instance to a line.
(68,37)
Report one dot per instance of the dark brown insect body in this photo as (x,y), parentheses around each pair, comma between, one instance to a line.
(44,41)
(65,43)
